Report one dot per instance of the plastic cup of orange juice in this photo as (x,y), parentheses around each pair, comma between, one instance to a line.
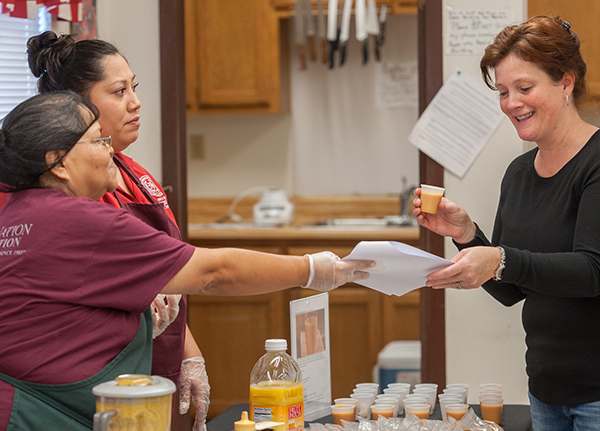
(385,410)
(430,198)
(419,410)
(343,412)
(445,399)
(457,411)
(350,401)
(390,399)
(491,409)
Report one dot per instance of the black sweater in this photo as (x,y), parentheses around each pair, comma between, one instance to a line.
(550,229)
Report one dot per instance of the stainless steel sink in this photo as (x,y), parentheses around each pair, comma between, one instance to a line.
(361,223)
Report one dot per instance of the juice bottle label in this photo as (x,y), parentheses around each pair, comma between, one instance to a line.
(292,416)
(278,401)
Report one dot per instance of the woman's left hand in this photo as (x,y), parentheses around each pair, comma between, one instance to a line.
(165,309)
(473,266)
(193,383)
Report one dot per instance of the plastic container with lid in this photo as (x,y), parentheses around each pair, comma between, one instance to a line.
(134,402)
(276,388)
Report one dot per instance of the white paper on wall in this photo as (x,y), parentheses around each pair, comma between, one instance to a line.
(457,123)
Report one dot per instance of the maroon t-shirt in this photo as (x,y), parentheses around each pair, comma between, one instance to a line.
(75,275)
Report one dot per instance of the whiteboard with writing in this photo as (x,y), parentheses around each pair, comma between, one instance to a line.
(468,32)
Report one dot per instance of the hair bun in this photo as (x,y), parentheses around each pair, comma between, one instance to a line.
(46,52)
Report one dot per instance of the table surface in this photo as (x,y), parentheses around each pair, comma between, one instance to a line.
(515,417)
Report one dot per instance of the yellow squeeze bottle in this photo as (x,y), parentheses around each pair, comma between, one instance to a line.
(244,424)
(276,388)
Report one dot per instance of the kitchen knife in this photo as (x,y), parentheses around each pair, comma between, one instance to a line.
(382,20)
(345,30)
(332,30)
(372,24)
(361,31)
(379,41)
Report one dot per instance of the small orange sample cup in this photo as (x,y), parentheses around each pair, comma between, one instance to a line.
(457,411)
(343,412)
(491,409)
(430,198)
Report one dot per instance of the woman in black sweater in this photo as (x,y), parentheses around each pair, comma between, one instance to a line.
(545,247)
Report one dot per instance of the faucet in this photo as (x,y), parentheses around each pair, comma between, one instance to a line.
(405,196)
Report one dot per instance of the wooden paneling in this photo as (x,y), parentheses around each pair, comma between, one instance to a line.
(432,316)
(583,16)
(173,109)
(400,317)
(355,333)
(232,333)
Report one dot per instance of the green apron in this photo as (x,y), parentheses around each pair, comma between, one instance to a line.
(72,406)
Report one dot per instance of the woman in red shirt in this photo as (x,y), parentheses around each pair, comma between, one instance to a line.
(97,71)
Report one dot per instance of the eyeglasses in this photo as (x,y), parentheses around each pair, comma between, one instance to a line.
(107,141)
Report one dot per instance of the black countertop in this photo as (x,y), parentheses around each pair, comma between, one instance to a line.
(515,417)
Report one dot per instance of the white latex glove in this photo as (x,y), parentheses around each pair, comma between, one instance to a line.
(193,381)
(327,271)
(165,309)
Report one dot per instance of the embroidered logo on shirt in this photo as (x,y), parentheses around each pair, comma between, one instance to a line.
(10,237)
(154,190)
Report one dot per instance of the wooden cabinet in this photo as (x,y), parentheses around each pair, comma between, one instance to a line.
(231,331)
(232,56)
(582,15)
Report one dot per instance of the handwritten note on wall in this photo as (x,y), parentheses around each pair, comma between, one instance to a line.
(397,84)
(470,31)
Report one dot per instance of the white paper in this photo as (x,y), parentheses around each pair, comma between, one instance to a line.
(400,268)
(457,123)
(469,32)
(309,328)
(397,84)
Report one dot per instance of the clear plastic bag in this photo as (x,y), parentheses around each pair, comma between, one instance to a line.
(470,421)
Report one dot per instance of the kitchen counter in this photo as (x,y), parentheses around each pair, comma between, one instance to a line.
(200,232)
(204,228)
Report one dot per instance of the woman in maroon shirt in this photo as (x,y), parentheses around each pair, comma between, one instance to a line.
(77,275)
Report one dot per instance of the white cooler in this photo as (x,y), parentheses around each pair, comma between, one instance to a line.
(398,361)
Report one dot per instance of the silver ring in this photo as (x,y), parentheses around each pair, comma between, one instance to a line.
(457,285)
